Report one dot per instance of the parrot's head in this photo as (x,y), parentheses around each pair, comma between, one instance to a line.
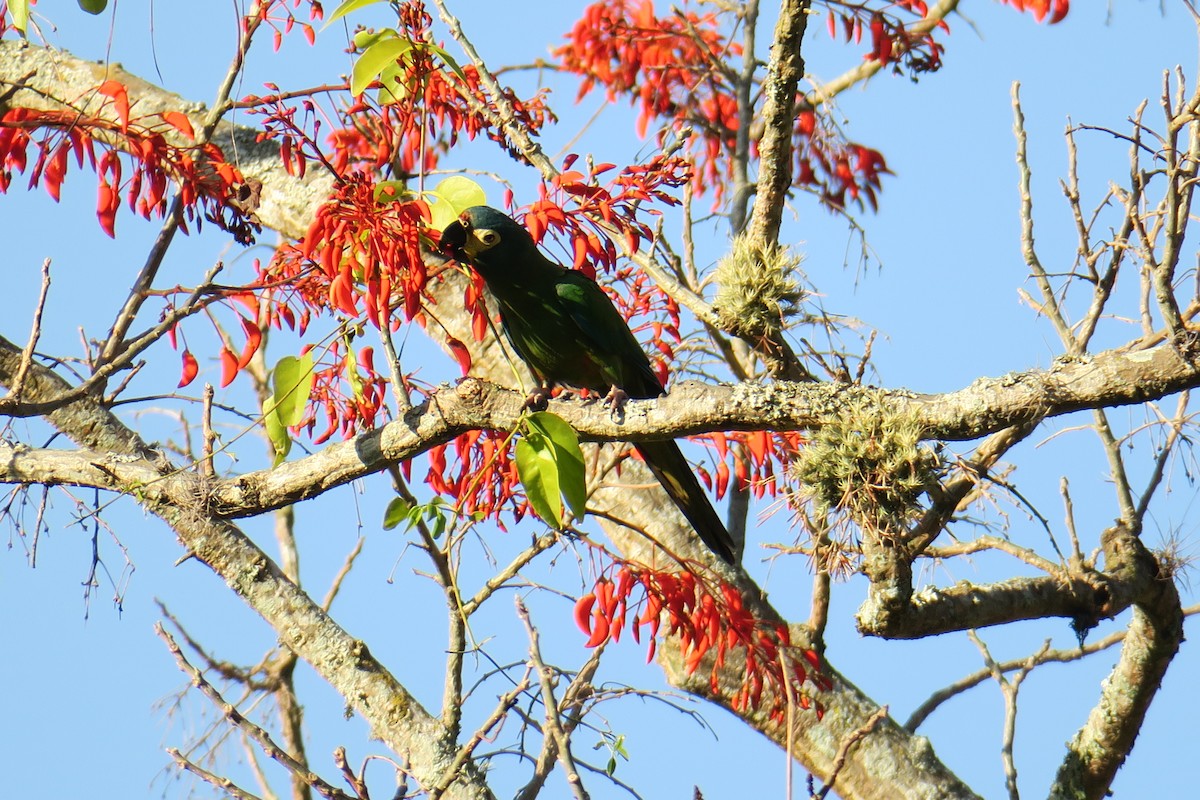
(483,236)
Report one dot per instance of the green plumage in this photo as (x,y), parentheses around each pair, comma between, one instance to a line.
(567,331)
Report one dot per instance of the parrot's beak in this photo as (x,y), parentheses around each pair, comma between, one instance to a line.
(454,240)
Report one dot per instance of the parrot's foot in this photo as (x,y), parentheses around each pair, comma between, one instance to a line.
(538,399)
(615,399)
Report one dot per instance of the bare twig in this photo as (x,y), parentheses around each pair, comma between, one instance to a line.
(336,585)
(35,333)
(1049,304)
(207,467)
(252,731)
(939,697)
(843,751)
(553,723)
(355,782)
(1010,689)
(506,703)
(224,784)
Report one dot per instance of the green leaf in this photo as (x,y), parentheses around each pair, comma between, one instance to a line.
(375,59)
(439,524)
(550,465)
(445,57)
(397,511)
(618,747)
(293,382)
(345,8)
(391,192)
(364,39)
(454,195)
(352,376)
(19,9)
(392,88)
(461,192)
(539,476)
(567,455)
(93,6)
(277,433)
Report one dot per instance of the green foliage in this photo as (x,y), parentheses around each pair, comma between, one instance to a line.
(453,196)
(868,462)
(435,514)
(756,290)
(93,6)
(347,7)
(19,10)
(381,61)
(292,382)
(386,56)
(550,465)
(615,743)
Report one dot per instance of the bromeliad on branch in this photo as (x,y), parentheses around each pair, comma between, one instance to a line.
(568,331)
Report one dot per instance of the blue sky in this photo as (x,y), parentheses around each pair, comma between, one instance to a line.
(86,684)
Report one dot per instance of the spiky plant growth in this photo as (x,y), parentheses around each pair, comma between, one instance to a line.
(756,288)
(868,463)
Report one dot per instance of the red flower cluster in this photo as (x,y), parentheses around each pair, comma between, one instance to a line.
(208,184)
(617,203)
(892,41)
(704,619)
(359,249)
(664,64)
(1057,9)
(755,464)
(346,413)
(667,65)
(477,469)
(282,19)
(832,167)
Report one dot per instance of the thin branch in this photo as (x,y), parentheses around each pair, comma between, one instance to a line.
(348,564)
(248,728)
(935,700)
(224,784)
(355,781)
(553,722)
(843,751)
(481,734)
(35,333)
(1049,305)
(503,576)
(987,542)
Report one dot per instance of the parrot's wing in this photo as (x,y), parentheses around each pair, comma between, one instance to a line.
(606,337)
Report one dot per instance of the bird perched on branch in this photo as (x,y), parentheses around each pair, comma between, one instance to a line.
(567,330)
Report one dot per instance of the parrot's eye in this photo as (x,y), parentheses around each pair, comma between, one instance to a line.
(489,237)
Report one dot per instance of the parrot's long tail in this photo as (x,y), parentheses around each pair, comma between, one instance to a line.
(676,476)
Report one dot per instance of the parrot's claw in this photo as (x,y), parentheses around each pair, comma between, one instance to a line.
(616,399)
(538,399)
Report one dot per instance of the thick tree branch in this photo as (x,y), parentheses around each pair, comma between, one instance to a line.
(345,662)
(784,72)
(989,404)
(1155,632)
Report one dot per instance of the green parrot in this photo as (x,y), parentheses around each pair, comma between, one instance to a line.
(567,330)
